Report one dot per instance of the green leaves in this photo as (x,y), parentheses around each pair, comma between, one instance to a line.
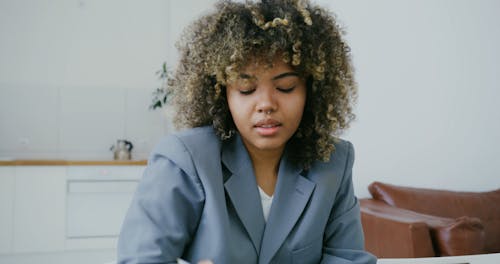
(161,94)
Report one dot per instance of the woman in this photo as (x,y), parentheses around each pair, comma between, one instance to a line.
(258,177)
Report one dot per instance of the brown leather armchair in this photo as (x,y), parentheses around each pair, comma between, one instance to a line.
(404,222)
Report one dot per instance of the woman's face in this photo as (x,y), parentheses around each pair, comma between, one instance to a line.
(266,104)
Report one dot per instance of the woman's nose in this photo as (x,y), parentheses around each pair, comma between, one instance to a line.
(266,101)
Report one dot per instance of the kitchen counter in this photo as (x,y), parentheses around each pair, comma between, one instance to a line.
(72,162)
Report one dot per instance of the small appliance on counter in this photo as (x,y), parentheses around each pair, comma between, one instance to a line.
(122,150)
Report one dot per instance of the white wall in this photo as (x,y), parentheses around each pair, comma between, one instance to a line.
(429,97)
(77,75)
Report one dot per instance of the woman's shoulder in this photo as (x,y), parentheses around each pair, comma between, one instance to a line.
(343,149)
(191,138)
(202,133)
(340,158)
(330,175)
(187,142)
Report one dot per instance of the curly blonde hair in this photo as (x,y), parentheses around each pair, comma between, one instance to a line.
(216,46)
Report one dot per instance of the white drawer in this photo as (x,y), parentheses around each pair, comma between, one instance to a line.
(96,209)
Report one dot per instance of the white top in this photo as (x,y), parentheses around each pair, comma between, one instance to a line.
(266,201)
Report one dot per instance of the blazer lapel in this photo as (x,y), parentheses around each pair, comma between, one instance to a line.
(290,198)
(241,188)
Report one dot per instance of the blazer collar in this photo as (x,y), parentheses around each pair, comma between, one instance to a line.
(291,195)
(241,187)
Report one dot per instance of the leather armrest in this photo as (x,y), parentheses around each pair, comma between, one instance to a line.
(396,232)
(391,232)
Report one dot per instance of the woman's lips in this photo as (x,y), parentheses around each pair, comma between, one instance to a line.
(267,127)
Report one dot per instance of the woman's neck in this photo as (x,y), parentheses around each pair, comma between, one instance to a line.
(265,165)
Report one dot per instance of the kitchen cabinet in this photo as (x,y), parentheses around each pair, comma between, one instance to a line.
(6,208)
(39,207)
(63,207)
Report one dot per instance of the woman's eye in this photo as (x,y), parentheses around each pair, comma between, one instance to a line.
(286,90)
(247,92)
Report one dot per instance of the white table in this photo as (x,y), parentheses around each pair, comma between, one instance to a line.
(468,259)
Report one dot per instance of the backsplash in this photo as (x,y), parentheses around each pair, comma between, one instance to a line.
(77,122)
(75,76)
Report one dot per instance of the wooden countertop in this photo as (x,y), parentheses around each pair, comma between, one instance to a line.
(73,162)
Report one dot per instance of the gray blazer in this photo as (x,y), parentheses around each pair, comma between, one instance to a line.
(198,199)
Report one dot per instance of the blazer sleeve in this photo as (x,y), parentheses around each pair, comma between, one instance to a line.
(165,210)
(344,241)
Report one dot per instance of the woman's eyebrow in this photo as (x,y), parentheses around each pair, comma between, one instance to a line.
(285,74)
